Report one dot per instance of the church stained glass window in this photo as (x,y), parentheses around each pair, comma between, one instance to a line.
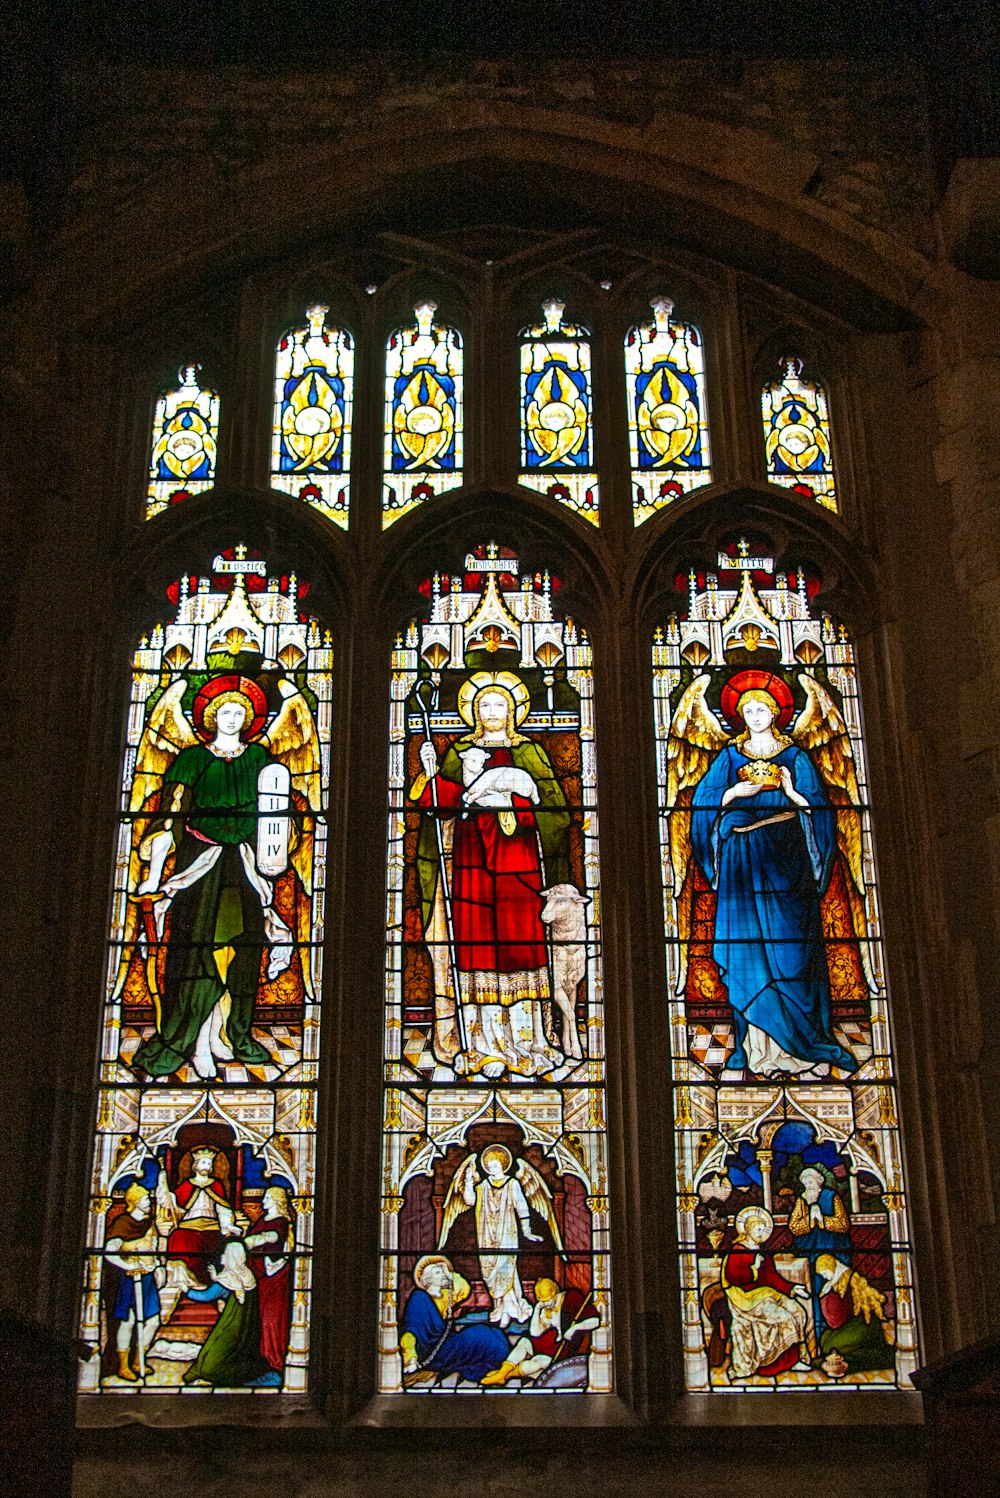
(313,401)
(184,442)
(495,1222)
(199,1239)
(557,412)
(797,442)
(667,412)
(424,436)
(794,1242)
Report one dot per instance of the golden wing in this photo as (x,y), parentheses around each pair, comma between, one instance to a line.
(695,738)
(455,1203)
(820,728)
(537,1196)
(166,733)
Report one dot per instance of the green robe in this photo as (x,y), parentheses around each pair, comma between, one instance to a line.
(221,909)
(860,1343)
(231,1356)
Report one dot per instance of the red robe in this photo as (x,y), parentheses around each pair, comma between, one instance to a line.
(196,1247)
(549,1341)
(496,882)
(274,1291)
(738,1270)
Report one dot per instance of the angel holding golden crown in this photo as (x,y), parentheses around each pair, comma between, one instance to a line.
(767,815)
(219,828)
(493,839)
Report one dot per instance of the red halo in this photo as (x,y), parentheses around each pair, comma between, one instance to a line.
(231,683)
(761,681)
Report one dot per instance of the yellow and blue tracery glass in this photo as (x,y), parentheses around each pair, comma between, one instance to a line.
(184,442)
(668,418)
(557,427)
(313,400)
(423,414)
(797,441)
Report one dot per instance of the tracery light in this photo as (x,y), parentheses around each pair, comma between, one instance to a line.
(495,1222)
(795,1251)
(184,442)
(313,403)
(557,403)
(198,1260)
(424,439)
(667,410)
(797,441)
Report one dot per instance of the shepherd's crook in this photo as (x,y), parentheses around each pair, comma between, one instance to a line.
(445,890)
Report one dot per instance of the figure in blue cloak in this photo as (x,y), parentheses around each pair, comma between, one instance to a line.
(765,835)
(432,1340)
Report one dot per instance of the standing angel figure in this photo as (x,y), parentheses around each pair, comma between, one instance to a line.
(766,815)
(503,1198)
(214,831)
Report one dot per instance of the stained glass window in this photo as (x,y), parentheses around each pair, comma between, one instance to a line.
(557,412)
(199,1239)
(795,1250)
(797,435)
(184,442)
(423,413)
(667,411)
(495,1225)
(313,399)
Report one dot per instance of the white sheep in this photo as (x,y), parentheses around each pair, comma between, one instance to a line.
(565,914)
(494,788)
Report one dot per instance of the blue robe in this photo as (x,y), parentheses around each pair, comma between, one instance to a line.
(768,943)
(470,1348)
(820,1240)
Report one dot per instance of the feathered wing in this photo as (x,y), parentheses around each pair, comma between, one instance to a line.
(166,733)
(820,728)
(455,1203)
(694,739)
(292,738)
(537,1196)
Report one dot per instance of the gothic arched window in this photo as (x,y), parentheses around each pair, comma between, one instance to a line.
(199,1240)
(794,1239)
(470,1006)
(495,1168)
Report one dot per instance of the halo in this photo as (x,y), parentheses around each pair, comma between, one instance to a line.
(498,1149)
(750,1214)
(760,681)
(425,1264)
(231,683)
(479,680)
